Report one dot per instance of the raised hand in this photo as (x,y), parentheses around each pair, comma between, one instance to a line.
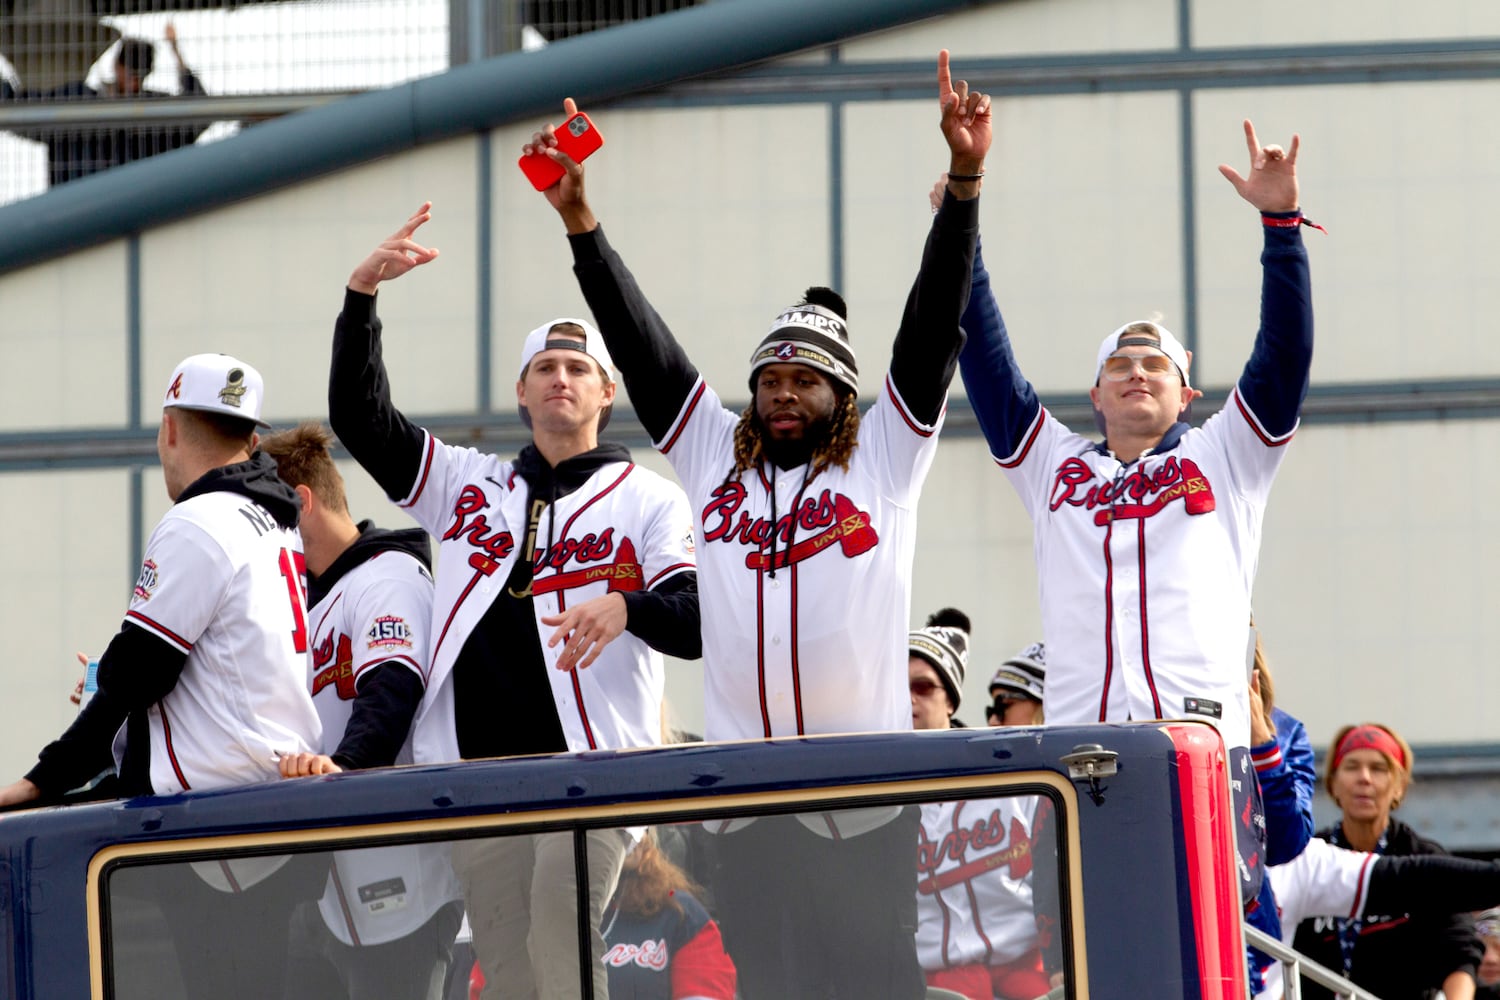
(1272,184)
(566,196)
(397,255)
(965,121)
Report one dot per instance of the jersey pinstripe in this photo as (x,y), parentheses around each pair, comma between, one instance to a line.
(626,528)
(1148,564)
(818,645)
(974,904)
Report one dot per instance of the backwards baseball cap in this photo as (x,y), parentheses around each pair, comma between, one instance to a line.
(1143,333)
(217,383)
(944,643)
(549,338)
(1023,675)
(814,333)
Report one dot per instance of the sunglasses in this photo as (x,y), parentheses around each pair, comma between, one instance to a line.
(1119,367)
(924,688)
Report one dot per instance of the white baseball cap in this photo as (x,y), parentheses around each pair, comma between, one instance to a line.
(1163,341)
(538,341)
(217,383)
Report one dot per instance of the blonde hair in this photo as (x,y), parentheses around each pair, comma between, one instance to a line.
(1400,768)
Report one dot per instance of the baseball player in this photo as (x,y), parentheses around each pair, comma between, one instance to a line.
(203,686)
(1146,543)
(806,519)
(563,575)
(976,929)
(386,923)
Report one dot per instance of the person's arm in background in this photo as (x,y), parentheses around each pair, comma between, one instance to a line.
(187,80)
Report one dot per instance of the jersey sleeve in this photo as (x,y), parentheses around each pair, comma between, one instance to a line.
(391,615)
(1322,881)
(701,969)
(664,612)
(451,479)
(699,440)
(183,579)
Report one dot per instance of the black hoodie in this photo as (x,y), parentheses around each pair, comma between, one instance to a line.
(387,694)
(138,668)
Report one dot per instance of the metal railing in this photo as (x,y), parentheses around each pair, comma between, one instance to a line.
(1295,967)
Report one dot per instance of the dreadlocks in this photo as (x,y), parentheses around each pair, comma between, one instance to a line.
(836,447)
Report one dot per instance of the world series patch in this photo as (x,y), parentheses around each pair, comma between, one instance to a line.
(389,632)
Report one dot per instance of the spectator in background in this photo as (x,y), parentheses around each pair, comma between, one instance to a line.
(1396,955)
(1016,689)
(1488,926)
(976,931)
(77,151)
(661,942)
(935,669)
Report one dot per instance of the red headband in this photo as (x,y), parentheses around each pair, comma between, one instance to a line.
(1369,738)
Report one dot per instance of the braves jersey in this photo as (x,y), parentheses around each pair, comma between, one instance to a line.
(974,903)
(625,529)
(222,582)
(377,613)
(674,954)
(819,644)
(1145,569)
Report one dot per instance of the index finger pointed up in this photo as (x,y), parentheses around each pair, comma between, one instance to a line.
(945,77)
(418,217)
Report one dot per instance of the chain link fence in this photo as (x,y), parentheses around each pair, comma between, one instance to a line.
(86,85)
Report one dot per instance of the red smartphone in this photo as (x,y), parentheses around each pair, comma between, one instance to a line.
(577,137)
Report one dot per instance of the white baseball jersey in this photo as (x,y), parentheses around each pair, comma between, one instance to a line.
(224,583)
(1322,881)
(974,883)
(1146,570)
(820,646)
(625,528)
(379,612)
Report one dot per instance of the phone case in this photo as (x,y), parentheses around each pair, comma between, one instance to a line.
(577,137)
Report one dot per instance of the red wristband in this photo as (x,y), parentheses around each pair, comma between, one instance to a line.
(1291,222)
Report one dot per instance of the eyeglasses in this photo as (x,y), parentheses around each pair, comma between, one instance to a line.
(1119,367)
(924,688)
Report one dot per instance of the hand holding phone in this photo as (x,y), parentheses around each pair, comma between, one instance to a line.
(576,138)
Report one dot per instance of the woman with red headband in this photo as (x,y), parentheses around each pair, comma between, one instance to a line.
(1397,956)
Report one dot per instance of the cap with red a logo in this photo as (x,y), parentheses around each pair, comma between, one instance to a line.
(217,383)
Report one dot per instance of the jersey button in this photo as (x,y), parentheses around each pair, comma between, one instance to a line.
(776,640)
